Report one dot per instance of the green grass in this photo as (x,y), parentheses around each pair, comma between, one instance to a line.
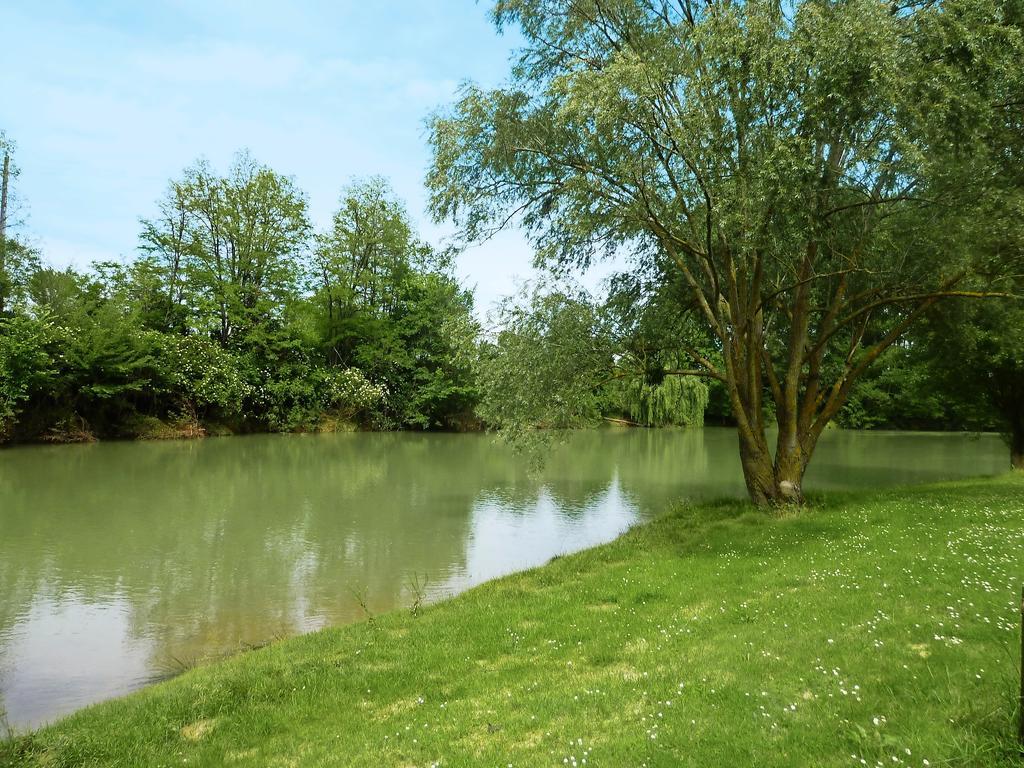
(877,630)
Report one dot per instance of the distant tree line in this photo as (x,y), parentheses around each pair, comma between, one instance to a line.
(238,316)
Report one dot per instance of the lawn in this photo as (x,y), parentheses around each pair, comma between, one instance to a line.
(878,630)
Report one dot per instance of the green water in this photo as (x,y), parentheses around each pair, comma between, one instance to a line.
(122,562)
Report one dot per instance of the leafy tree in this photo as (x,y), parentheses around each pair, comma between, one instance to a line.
(202,377)
(104,361)
(548,364)
(653,381)
(297,397)
(64,294)
(227,247)
(560,360)
(361,262)
(988,340)
(25,366)
(975,352)
(438,336)
(813,170)
(17,263)
(661,401)
(389,306)
(903,392)
(166,242)
(17,260)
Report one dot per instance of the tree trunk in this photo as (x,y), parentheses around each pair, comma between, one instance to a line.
(5,179)
(757,472)
(790,464)
(773,484)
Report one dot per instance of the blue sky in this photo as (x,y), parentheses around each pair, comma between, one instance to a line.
(107,101)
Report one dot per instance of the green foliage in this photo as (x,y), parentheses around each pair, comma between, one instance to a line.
(963,368)
(547,365)
(388,305)
(17,260)
(298,397)
(224,251)
(103,359)
(25,365)
(364,258)
(675,401)
(985,376)
(654,385)
(105,356)
(560,360)
(17,263)
(902,392)
(229,316)
(200,372)
(425,352)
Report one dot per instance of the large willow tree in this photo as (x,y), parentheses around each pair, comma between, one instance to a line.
(814,170)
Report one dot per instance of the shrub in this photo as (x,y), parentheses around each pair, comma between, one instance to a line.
(25,365)
(202,374)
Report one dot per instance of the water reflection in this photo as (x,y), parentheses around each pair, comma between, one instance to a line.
(119,562)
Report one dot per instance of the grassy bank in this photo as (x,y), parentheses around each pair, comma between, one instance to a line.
(877,630)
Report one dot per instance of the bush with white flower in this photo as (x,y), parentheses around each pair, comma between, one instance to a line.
(202,373)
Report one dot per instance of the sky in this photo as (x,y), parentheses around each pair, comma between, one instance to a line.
(107,101)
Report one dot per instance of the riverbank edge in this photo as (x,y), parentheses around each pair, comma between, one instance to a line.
(152,428)
(46,746)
